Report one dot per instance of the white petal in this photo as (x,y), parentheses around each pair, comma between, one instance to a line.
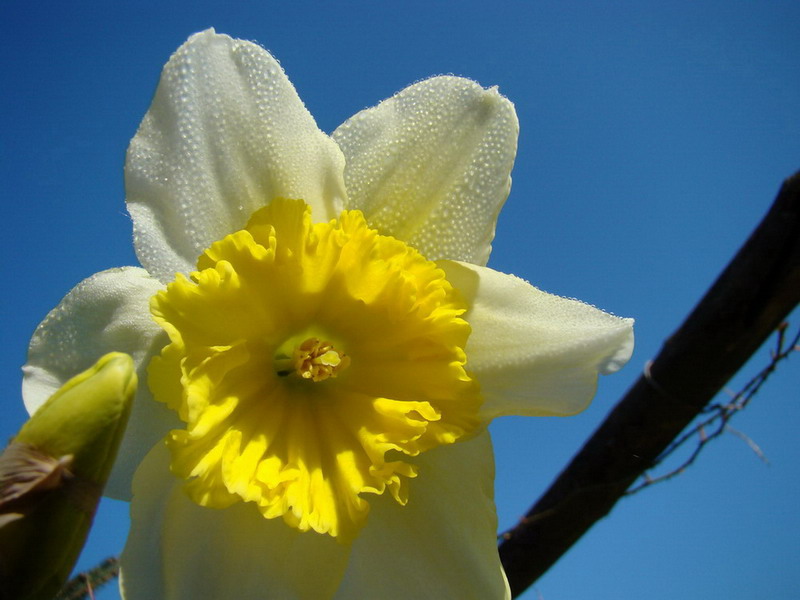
(443,543)
(535,353)
(178,550)
(225,134)
(106,312)
(431,166)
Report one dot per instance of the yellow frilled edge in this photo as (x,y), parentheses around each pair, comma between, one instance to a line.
(309,362)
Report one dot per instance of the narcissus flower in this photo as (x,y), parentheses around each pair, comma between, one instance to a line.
(322,344)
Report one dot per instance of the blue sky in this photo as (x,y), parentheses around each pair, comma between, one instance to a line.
(654,137)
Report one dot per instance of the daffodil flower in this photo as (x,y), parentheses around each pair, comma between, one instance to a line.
(322,342)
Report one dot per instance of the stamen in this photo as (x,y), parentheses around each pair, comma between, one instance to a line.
(316,360)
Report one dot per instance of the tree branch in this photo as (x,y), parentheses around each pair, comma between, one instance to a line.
(717,415)
(757,290)
(82,585)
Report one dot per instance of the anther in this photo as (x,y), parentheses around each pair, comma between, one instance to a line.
(316,360)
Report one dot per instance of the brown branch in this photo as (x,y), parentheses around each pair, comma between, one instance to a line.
(757,290)
(82,585)
(717,416)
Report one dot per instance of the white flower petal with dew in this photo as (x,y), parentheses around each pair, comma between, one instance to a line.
(106,312)
(167,555)
(534,353)
(177,550)
(451,513)
(226,134)
(432,165)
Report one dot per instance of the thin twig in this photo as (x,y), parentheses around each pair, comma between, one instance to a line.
(82,585)
(721,414)
(756,292)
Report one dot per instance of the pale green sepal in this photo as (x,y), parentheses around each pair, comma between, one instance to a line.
(86,417)
(534,353)
(52,476)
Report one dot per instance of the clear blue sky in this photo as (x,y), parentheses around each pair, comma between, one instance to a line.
(653,138)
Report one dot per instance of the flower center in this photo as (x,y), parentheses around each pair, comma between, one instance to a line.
(310,363)
(313,359)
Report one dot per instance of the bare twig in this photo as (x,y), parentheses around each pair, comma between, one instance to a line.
(754,294)
(82,585)
(721,414)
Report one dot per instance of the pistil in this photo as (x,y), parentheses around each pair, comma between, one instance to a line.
(314,360)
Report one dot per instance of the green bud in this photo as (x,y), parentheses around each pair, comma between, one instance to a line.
(53,473)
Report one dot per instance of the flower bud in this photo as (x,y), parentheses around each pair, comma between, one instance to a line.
(53,473)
